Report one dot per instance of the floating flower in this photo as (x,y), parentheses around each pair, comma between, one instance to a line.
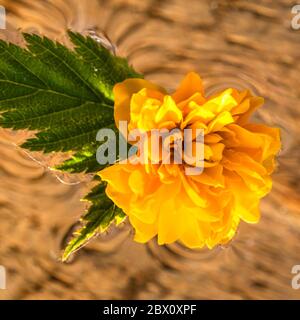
(197,210)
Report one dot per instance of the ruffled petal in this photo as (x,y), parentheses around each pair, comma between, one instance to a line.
(123,92)
(191,84)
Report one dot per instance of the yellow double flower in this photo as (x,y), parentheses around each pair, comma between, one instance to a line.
(198,210)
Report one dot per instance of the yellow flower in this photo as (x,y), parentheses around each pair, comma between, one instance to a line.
(197,210)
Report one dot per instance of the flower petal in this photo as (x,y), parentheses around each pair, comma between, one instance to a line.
(123,92)
(191,84)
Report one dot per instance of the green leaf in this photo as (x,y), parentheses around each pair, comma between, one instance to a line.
(98,217)
(113,69)
(85,159)
(82,161)
(71,136)
(65,95)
